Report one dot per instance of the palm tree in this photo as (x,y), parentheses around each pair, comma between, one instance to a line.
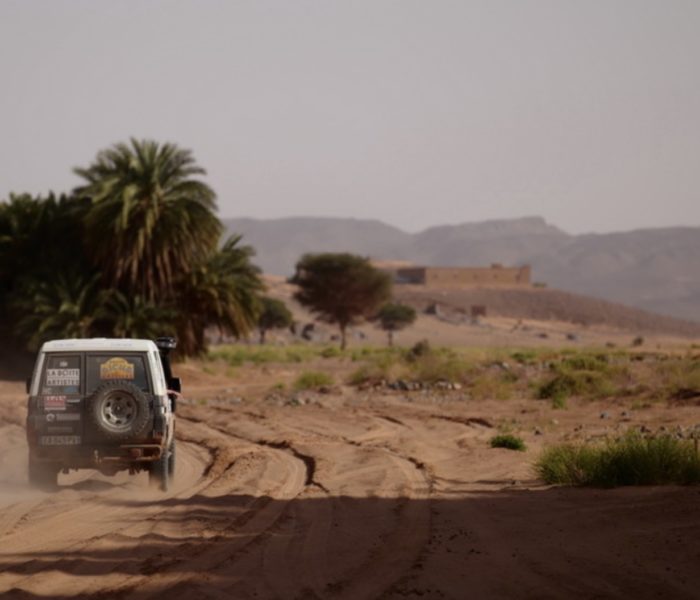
(39,237)
(134,317)
(150,220)
(63,307)
(223,292)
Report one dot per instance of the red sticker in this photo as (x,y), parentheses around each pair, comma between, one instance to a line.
(54,403)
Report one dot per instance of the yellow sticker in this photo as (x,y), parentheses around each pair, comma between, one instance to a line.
(117,368)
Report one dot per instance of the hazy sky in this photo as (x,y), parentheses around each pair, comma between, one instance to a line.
(417,113)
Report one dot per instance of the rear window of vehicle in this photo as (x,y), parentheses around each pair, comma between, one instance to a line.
(101,368)
(62,375)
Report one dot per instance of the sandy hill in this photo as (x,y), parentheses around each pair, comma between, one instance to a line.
(652,269)
(548,305)
(515,317)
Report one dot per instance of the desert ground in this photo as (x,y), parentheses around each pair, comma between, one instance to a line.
(350,493)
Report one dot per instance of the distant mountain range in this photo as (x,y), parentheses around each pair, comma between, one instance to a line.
(653,269)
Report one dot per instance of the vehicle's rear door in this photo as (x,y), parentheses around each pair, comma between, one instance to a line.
(59,406)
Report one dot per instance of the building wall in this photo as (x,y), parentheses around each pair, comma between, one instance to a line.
(464,276)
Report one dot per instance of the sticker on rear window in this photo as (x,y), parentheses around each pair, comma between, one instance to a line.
(54,403)
(117,368)
(62,377)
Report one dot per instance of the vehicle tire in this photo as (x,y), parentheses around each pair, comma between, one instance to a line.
(171,462)
(118,411)
(159,472)
(43,475)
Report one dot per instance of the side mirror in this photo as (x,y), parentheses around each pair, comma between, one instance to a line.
(173,395)
(28,384)
(175,384)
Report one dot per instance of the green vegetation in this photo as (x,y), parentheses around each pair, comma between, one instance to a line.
(340,288)
(331,352)
(236,355)
(509,441)
(630,460)
(574,383)
(418,364)
(525,357)
(581,374)
(274,314)
(585,362)
(559,402)
(486,373)
(311,380)
(377,368)
(438,366)
(134,251)
(223,292)
(476,370)
(149,218)
(677,378)
(394,317)
(494,382)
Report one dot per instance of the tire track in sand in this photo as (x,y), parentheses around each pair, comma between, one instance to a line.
(228,527)
(266,512)
(295,558)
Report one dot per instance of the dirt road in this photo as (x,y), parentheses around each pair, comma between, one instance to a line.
(347,496)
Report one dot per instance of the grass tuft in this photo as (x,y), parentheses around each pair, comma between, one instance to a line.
(509,441)
(311,380)
(559,402)
(629,460)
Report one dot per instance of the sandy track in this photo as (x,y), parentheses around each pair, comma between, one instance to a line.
(376,497)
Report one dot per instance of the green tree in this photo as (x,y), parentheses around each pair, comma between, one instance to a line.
(134,253)
(40,237)
(223,292)
(65,306)
(150,219)
(340,288)
(135,317)
(394,317)
(274,314)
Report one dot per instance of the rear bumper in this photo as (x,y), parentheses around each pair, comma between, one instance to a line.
(90,457)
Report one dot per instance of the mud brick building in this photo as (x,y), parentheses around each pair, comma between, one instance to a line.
(495,275)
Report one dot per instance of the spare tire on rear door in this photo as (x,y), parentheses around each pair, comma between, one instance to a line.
(118,411)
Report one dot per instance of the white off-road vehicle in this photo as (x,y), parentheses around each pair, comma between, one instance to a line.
(105,404)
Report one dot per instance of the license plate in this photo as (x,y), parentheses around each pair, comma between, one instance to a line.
(54,403)
(59,440)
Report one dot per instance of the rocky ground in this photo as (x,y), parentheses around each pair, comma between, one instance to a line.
(350,494)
